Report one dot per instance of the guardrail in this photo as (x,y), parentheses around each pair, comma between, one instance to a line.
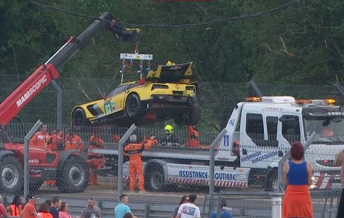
(242,204)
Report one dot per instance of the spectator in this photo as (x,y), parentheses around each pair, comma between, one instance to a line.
(184,199)
(169,139)
(55,206)
(16,207)
(297,175)
(48,202)
(340,163)
(27,200)
(41,138)
(224,212)
(73,141)
(122,210)
(29,210)
(96,142)
(134,150)
(43,210)
(91,211)
(64,211)
(189,209)
(3,212)
(193,140)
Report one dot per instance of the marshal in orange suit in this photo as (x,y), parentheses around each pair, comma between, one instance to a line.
(134,150)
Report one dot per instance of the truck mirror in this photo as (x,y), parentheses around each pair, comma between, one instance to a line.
(326,122)
(282,119)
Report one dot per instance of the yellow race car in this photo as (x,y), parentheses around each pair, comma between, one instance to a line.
(166,93)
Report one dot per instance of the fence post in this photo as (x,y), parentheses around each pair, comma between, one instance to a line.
(276,205)
(120,157)
(29,135)
(212,170)
(59,104)
(147,210)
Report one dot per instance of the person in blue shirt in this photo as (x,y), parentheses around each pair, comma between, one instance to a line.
(224,213)
(122,209)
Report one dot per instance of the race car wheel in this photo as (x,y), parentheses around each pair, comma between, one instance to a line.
(193,116)
(79,118)
(133,105)
(74,175)
(12,175)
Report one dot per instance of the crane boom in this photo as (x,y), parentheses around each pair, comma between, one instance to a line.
(47,72)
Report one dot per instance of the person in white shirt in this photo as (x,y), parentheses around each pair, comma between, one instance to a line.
(189,209)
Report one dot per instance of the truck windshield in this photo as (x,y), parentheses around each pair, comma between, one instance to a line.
(330,130)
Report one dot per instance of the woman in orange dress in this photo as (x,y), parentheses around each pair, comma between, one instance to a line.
(297,175)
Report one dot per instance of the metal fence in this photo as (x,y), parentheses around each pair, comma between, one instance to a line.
(77,168)
(216,99)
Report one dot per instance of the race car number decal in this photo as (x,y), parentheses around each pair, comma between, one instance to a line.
(109,107)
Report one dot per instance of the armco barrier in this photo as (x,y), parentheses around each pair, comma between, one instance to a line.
(242,204)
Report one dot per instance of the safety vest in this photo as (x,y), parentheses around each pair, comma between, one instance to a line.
(15,210)
(46,215)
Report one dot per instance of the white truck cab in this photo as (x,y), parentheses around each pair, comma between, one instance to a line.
(266,127)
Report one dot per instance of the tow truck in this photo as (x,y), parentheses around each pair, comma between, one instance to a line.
(67,167)
(259,133)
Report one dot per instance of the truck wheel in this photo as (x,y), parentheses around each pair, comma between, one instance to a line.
(271,182)
(74,175)
(133,105)
(12,175)
(155,179)
(193,116)
(79,118)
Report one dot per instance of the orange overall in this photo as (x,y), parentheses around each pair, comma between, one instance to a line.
(136,166)
(74,142)
(193,141)
(56,139)
(95,142)
(40,139)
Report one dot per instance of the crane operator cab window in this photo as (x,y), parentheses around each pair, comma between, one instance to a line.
(290,128)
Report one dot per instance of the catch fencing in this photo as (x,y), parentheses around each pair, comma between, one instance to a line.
(177,168)
(216,99)
(56,170)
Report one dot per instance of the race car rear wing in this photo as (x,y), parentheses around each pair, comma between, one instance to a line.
(177,73)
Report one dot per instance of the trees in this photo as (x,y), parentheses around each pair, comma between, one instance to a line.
(302,44)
